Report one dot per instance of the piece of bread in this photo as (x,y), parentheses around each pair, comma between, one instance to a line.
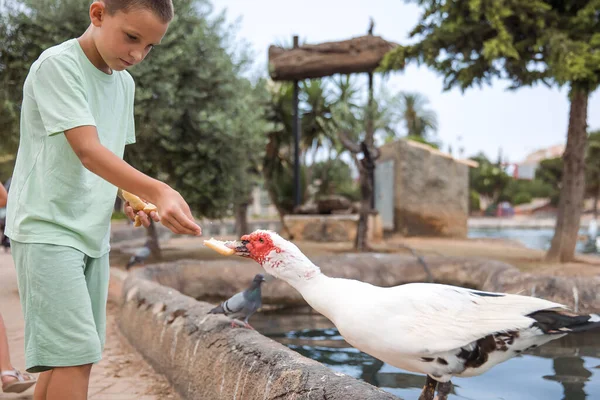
(219,247)
(138,205)
(149,208)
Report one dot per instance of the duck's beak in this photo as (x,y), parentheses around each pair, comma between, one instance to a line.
(239,246)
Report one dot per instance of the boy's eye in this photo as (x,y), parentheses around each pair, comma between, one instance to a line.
(131,37)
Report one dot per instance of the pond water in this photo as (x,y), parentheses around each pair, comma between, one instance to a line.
(532,238)
(565,369)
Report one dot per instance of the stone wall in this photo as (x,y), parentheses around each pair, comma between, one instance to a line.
(431,195)
(331,228)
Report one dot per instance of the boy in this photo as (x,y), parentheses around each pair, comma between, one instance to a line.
(76,117)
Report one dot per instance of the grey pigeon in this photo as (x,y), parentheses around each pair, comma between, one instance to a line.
(140,256)
(242,304)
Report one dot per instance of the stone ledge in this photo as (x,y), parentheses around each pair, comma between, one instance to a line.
(204,358)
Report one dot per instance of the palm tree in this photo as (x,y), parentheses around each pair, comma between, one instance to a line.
(315,122)
(351,116)
(419,120)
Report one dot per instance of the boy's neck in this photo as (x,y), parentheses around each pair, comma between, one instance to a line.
(86,41)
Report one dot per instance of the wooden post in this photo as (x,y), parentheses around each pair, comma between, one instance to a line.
(296,133)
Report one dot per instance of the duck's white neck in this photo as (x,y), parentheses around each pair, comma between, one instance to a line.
(319,293)
(317,289)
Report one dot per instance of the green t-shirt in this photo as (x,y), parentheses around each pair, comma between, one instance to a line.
(53,198)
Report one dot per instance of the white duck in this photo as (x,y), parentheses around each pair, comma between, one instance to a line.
(438,330)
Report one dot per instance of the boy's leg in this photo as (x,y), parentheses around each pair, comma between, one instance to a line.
(60,327)
(72,383)
(69,383)
(41,388)
(5,363)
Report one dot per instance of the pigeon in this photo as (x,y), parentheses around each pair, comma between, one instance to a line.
(243,304)
(140,256)
(441,331)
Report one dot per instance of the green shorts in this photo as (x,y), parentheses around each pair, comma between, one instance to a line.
(63,295)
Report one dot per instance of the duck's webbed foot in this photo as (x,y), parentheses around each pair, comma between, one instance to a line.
(429,389)
(443,390)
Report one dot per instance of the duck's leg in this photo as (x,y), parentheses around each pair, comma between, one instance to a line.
(443,390)
(429,389)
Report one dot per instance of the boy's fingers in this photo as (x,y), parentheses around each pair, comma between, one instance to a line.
(183,229)
(189,225)
(168,225)
(154,215)
(175,227)
(129,211)
(144,219)
(178,220)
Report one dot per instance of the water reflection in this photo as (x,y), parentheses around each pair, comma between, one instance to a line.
(572,374)
(566,369)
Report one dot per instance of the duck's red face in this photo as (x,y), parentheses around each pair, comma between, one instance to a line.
(257,245)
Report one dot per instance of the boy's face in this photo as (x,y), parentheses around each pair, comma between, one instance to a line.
(125,38)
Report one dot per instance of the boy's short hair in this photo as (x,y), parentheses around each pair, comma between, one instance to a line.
(163,9)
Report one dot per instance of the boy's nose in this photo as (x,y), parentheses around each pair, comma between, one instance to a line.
(136,55)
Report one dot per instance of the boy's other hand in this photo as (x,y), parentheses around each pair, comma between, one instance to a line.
(175,213)
(144,218)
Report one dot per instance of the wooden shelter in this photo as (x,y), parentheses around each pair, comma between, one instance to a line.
(356,55)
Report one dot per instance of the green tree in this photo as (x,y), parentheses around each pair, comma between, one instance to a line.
(528,189)
(473,42)
(474,201)
(488,179)
(551,172)
(420,121)
(336,178)
(28,27)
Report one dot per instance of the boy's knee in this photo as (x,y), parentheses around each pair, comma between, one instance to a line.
(84,369)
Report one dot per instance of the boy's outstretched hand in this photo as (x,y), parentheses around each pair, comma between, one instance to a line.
(175,213)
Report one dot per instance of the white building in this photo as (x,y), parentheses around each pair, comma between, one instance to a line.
(526,168)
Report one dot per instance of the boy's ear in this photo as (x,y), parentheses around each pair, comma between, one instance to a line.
(97,13)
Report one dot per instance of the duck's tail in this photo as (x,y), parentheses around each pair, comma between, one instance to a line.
(558,320)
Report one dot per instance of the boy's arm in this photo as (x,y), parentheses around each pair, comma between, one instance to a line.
(174,212)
